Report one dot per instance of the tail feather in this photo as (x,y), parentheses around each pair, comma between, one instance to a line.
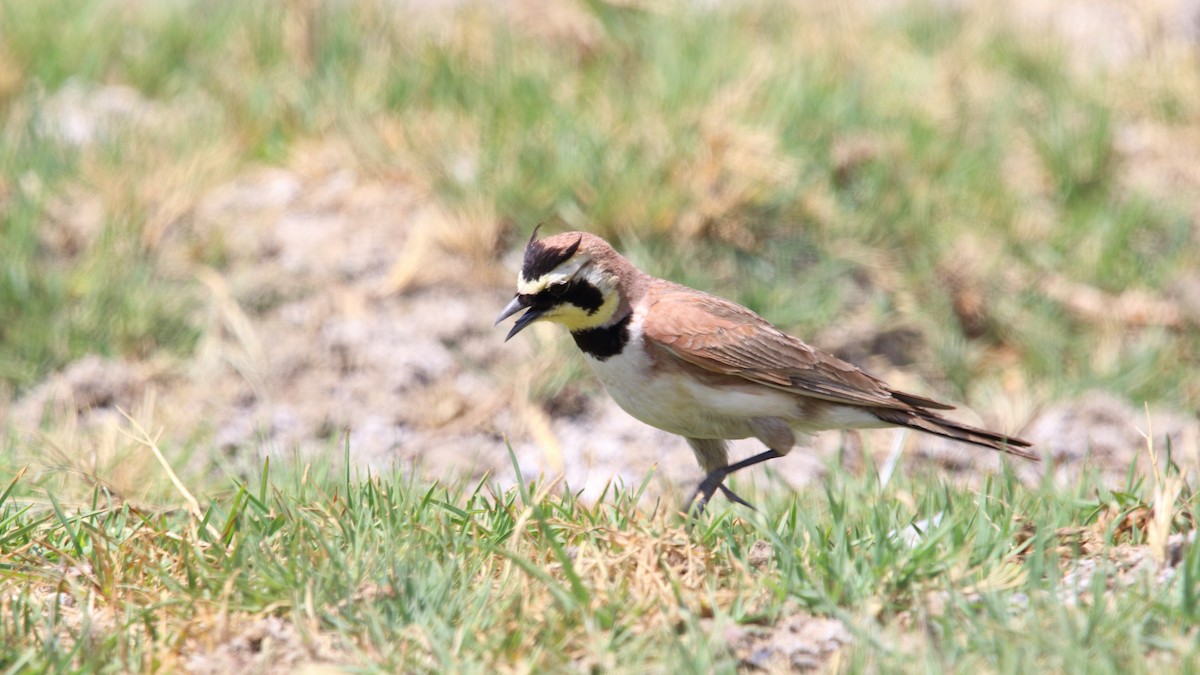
(921,401)
(932,423)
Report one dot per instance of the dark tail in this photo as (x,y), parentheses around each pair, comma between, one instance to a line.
(932,423)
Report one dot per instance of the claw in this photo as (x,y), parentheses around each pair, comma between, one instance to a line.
(705,491)
(715,480)
(708,487)
(733,497)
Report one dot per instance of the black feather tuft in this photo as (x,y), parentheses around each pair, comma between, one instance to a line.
(541,259)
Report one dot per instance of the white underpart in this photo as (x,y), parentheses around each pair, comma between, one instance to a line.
(845,417)
(682,405)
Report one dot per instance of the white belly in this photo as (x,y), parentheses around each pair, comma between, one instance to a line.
(682,405)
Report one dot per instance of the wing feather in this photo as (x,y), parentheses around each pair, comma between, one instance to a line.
(723,337)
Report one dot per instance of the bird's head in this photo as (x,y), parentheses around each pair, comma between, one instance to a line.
(567,279)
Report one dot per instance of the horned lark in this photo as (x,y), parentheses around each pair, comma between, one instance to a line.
(705,368)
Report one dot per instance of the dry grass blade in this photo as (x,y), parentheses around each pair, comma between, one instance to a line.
(143,438)
(1168,486)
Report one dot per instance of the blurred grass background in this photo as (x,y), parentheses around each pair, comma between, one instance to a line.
(933,168)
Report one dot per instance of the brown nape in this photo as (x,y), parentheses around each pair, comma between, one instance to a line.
(932,423)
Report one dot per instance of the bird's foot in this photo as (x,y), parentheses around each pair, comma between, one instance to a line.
(733,497)
(714,481)
(705,491)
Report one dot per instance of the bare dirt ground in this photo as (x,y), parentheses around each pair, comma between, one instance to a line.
(304,345)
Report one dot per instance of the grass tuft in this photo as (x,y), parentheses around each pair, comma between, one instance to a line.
(384,572)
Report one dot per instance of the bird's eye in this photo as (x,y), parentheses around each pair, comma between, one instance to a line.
(558,289)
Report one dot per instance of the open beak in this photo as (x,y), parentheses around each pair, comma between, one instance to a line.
(522,321)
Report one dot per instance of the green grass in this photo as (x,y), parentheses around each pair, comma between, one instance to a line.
(402,576)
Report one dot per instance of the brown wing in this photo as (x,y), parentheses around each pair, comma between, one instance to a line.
(724,337)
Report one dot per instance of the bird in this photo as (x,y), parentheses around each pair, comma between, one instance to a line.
(708,369)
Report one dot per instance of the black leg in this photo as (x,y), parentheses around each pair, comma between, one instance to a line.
(715,481)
